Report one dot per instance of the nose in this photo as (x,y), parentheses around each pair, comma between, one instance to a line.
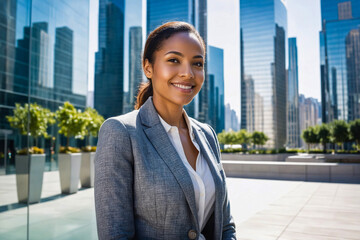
(186,71)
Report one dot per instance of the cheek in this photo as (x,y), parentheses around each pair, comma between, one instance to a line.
(165,72)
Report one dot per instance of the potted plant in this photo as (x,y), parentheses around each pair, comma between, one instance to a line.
(71,123)
(92,127)
(33,121)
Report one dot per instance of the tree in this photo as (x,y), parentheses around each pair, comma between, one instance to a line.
(324,135)
(310,136)
(33,120)
(340,132)
(259,138)
(93,122)
(229,138)
(243,137)
(71,122)
(355,132)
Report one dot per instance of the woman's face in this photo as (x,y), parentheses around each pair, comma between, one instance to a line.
(177,72)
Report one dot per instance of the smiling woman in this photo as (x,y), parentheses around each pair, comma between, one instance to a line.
(157,171)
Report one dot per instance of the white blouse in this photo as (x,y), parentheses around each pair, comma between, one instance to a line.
(202,179)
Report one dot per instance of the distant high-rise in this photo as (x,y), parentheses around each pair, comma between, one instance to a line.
(308,113)
(340,60)
(135,68)
(293,131)
(263,28)
(195,13)
(109,69)
(231,119)
(216,85)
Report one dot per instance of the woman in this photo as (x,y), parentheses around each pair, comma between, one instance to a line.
(157,171)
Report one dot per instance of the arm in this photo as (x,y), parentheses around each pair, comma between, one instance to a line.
(113,185)
(229,231)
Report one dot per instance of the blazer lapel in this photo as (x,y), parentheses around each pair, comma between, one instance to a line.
(161,142)
(215,171)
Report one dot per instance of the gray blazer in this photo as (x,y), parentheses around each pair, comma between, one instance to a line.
(142,188)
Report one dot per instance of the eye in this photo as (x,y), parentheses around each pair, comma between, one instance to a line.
(173,60)
(198,64)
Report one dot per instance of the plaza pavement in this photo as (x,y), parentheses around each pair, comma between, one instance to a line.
(262,209)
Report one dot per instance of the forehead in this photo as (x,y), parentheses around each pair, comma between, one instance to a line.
(183,42)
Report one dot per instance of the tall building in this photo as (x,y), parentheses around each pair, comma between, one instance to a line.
(63,60)
(109,60)
(43,50)
(135,68)
(293,128)
(231,119)
(195,13)
(216,85)
(340,60)
(308,113)
(263,28)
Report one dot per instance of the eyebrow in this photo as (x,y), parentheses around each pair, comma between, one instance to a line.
(181,55)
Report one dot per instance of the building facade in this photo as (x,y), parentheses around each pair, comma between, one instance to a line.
(263,28)
(293,128)
(340,60)
(43,60)
(216,88)
(195,13)
(109,60)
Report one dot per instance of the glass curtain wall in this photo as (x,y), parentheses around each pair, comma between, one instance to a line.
(44,48)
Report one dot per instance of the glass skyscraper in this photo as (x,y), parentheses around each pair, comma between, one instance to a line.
(109,60)
(216,85)
(293,129)
(263,28)
(340,59)
(195,13)
(43,59)
(135,67)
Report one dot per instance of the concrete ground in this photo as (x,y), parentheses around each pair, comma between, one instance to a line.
(262,209)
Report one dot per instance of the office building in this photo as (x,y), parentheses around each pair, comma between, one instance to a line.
(263,28)
(293,129)
(135,68)
(109,60)
(340,60)
(216,85)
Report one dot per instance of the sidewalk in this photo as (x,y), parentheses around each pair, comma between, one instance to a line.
(262,209)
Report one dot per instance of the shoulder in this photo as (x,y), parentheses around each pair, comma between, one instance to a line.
(120,123)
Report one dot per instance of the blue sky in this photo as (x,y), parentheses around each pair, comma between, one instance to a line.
(304,23)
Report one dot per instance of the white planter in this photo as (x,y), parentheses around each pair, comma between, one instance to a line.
(69,171)
(33,175)
(87,169)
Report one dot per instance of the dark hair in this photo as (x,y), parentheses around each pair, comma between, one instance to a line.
(153,43)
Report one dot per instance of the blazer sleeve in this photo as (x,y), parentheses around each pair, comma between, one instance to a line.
(113,186)
(229,231)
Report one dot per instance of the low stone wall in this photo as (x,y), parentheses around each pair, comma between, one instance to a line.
(281,157)
(323,172)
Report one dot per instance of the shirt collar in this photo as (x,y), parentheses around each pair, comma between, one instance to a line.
(187,120)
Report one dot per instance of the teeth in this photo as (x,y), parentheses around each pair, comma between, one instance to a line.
(182,86)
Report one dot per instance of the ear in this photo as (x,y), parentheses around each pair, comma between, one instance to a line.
(148,69)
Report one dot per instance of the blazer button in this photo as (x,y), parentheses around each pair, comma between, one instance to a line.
(192,234)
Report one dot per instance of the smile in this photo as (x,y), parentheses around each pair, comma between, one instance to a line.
(182,86)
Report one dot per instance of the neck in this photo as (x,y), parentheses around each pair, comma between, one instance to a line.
(171,113)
